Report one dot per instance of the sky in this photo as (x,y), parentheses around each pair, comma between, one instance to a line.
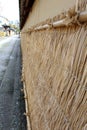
(9,9)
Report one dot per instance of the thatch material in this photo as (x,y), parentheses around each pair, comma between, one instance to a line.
(55,75)
(55,70)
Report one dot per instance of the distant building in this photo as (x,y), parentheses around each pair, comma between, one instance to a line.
(3,22)
(5,29)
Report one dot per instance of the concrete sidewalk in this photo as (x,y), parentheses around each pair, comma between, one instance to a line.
(11,98)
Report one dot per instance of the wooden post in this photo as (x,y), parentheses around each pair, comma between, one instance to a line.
(27,111)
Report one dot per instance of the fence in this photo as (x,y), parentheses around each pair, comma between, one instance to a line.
(55,76)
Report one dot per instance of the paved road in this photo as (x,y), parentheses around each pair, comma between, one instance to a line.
(11,98)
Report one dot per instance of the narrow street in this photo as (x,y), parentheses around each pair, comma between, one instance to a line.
(11,97)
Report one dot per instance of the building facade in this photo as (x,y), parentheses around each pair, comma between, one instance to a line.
(54,49)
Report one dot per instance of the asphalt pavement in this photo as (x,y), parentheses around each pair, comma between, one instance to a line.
(12,104)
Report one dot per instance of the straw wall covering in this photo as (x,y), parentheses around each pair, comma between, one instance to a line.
(55,74)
